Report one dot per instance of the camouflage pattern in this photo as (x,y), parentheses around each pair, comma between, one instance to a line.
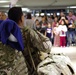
(36,39)
(34,44)
(56,64)
(12,61)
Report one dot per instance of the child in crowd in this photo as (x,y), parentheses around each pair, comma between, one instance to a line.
(49,32)
(37,25)
(62,33)
(56,36)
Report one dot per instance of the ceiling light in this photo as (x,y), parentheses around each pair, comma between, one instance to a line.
(4,1)
(26,9)
(37,14)
(10,5)
(5,6)
(48,14)
(58,14)
(51,13)
(42,14)
(71,7)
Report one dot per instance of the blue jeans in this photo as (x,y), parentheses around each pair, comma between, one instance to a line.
(70,37)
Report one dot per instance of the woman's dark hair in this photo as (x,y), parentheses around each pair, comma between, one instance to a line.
(15,14)
(45,16)
(29,16)
(53,17)
(64,21)
(36,20)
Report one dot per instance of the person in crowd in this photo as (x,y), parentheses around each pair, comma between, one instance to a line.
(28,20)
(49,32)
(62,33)
(37,25)
(54,25)
(0,15)
(50,19)
(55,22)
(71,16)
(71,33)
(56,36)
(54,15)
(3,16)
(62,16)
(43,24)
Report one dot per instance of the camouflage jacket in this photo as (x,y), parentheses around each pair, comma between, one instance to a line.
(12,62)
(34,43)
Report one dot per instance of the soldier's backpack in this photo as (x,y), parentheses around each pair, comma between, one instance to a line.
(56,64)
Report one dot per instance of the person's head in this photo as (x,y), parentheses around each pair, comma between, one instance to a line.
(56,19)
(4,17)
(16,14)
(49,25)
(37,22)
(0,15)
(63,22)
(28,16)
(70,13)
(62,14)
(54,15)
(44,18)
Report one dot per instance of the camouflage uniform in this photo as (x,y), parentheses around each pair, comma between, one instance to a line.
(33,42)
(11,61)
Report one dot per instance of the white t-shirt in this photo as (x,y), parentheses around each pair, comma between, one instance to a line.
(62,30)
(12,38)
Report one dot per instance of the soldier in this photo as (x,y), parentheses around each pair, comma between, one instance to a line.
(34,42)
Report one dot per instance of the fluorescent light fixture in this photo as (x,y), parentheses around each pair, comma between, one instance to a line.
(26,9)
(37,14)
(71,7)
(58,14)
(51,13)
(8,5)
(48,14)
(32,14)
(4,1)
(5,6)
(42,14)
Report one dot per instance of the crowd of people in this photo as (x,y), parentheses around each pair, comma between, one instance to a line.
(61,30)
(21,39)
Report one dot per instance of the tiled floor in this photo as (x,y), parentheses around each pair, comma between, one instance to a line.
(69,51)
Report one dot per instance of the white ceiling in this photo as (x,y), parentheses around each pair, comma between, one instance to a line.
(46,2)
(41,4)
